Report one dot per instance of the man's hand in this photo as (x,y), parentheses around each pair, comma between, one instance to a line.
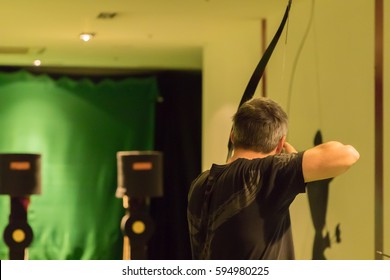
(288,148)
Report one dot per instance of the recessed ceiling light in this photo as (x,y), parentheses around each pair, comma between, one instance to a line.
(86,36)
(37,62)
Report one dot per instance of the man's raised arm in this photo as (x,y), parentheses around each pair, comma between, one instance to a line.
(328,160)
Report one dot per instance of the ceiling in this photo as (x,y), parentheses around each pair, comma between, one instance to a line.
(142,34)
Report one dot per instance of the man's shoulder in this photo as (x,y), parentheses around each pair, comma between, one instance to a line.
(284,159)
(200,179)
(273,160)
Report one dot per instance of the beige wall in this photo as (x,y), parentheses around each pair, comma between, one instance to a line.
(228,62)
(332,90)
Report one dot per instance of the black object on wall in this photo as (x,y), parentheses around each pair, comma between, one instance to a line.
(178,136)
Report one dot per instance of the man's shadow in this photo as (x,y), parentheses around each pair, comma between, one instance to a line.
(318,200)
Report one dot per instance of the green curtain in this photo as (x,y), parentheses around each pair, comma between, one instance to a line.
(77,126)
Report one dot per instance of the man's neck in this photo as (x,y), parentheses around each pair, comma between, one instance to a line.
(248,154)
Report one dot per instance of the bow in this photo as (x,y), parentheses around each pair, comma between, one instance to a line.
(259,70)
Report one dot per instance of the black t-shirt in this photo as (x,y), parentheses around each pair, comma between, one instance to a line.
(241,210)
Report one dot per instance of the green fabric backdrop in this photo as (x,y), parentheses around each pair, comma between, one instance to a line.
(77,126)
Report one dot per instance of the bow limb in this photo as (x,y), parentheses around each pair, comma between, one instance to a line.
(259,70)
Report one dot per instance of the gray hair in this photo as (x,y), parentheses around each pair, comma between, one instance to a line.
(259,124)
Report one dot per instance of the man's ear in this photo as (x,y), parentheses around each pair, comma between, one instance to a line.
(280,146)
(232,136)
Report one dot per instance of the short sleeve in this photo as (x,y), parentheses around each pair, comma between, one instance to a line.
(282,180)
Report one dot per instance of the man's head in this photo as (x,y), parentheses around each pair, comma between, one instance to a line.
(259,125)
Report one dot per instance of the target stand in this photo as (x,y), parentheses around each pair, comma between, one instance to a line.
(19,178)
(139,178)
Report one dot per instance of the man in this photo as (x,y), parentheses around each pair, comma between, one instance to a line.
(240,210)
